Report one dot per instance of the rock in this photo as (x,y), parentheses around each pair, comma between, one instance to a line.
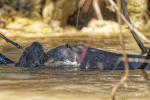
(138,12)
(104,28)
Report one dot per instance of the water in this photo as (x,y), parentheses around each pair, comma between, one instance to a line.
(57,84)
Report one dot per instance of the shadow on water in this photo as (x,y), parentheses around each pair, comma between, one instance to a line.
(57,84)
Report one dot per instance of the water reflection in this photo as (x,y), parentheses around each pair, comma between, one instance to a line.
(63,85)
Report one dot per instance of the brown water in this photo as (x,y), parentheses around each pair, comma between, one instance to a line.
(54,84)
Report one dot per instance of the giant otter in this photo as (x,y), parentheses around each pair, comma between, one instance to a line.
(33,56)
(63,55)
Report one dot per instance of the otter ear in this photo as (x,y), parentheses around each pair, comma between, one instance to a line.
(68,45)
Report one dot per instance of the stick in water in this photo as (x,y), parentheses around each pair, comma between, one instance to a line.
(133,30)
(10,41)
(125,13)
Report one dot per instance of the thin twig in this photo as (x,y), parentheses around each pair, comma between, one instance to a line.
(125,77)
(77,19)
(97,9)
(142,60)
(81,3)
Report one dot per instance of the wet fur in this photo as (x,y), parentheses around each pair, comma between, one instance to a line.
(33,56)
(63,55)
(5,60)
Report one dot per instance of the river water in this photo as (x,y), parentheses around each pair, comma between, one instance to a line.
(56,84)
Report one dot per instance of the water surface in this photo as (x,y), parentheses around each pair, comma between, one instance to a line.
(56,84)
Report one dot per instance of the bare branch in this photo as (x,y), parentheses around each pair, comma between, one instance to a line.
(126,21)
(10,41)
(125,58)
(97,9)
